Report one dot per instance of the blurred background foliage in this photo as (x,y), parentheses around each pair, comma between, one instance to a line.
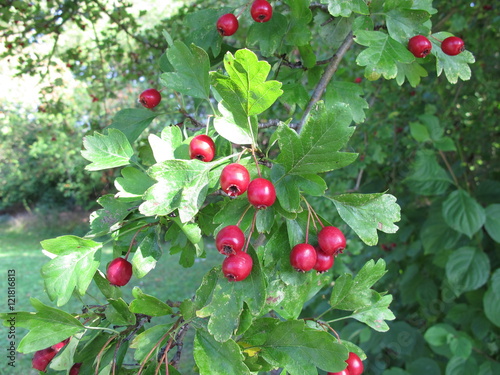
(68,66)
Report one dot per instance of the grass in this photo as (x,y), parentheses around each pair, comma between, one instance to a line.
(20,250)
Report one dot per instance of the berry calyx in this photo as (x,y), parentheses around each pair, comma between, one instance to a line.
(75,369)
(227,24)
(453,46)
(234,179)
(420,46)
(323,261)
(354,364)
(303,257)
(150,98)
(42,358)
(261,193)
(202,147)
(238,266)
(119,272)
(230,240)
(261,11)
(343,372)
(331,240)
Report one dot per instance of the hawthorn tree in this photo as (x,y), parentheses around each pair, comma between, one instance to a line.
(276,98)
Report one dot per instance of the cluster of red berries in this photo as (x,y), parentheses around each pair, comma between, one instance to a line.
(261,11)
(420,46)
(354,366)
(42,358)
(305,257)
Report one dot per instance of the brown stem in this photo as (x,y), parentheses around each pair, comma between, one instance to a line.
(251,231)
(325,79)
(443,156)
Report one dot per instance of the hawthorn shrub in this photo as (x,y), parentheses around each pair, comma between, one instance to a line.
(269,102)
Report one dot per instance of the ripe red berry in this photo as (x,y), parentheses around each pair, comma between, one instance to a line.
(358,80)
(227,24)
(57,347)
(303,257)
(42,358)
(343,372)
(261,193)
(453,46)
(75,369)
(331,240)
(238,266)
(261,11)
(202,147)
(230,240)
(119,272)
(234,179)
(150,98)
(354,364)
(420,46)
(323,261)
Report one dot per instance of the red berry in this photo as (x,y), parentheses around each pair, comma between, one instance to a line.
(75,369)
(42,358)
(234,179)
(354,364)
(358,80)
(230,240)
(238,266)
(331,240)
(453,46)
(303,257)
(150,98)
(261,193)
(343,372)
(119,272)
(202,147)
(227,24)
(323,261)
(57,347)
(261,11)
(420,46)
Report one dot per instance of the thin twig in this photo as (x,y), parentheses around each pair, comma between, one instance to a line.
(325,79)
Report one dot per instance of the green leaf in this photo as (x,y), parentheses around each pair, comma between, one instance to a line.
(492,223)
(347,95)
(375,315)
(235,126)
(133,184)
(73,267)
(113,212)
(491,303)
(382,55)
(164,148)
(191,70)
(436,235)
(213,357)
(268,35)
(467,269)
(145,341)
(132,122)
(439,334)
(461,366)
(47,326)
(454,67)
(461,346)
(108,290)
(367,213)
(345,8)
(107,151)
(148,305)
(298,33)
(427,177)
(117,312)
(495,282)
(403,22)
(203,33)
(147,254)
(352,294)
(424,365)
(397,371)
(316,149)
(296,347)
(463,213)
(412,72)
(227,299)
(245,88)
